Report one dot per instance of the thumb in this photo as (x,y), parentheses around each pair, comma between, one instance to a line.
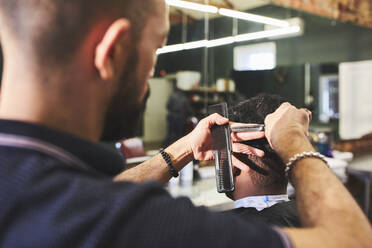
(216,119)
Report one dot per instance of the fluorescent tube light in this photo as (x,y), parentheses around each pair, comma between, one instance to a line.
(227,12)
(192,6)
(231,39)
(195,44)
(267,34)
(253,18)
(182,46)
(170,49)
(221,42)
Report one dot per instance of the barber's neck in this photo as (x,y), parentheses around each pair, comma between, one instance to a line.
(58,100)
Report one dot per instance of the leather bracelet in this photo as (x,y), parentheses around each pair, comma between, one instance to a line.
(299,156)
(168,160)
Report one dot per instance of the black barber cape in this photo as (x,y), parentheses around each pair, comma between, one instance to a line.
(56,190)
(282,214)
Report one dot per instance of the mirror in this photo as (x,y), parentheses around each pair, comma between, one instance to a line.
(302,62)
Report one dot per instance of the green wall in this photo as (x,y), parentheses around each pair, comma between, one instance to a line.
(324,41)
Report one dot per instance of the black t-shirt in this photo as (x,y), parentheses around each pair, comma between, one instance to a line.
(282,214)
(56,190)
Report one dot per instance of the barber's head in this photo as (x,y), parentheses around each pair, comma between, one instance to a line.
(111,44)
(265,175)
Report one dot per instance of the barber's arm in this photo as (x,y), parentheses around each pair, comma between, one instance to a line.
(195,145)
(328,213)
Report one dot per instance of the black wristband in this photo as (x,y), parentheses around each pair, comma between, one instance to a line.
(167,159)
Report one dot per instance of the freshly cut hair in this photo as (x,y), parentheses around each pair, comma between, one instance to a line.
(267,171)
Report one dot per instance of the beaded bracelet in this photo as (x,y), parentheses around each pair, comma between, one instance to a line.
(168,160)
(299,156)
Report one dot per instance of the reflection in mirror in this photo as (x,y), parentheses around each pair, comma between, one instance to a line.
(324,41)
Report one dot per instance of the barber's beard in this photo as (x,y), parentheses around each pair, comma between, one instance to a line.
(124,112)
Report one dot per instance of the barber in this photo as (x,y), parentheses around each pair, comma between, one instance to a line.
(75,72)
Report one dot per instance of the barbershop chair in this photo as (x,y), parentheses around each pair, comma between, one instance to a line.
(360,186)
(133,151)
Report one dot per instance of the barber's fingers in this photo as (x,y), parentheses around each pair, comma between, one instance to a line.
(283,121)
(283,108)
(238,164)
(242,148)
(305,117)
(287,110)
(213,119)
(308,112)
(309,116)
(243,136)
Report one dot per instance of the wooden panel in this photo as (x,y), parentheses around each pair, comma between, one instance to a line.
(242,5)
(356,11)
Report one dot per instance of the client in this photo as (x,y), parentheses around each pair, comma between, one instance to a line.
(261,190)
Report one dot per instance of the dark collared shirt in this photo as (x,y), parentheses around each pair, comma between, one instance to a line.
(56,190)
(283,214)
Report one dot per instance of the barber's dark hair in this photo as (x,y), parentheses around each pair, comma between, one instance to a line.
(56,28)
(268,171)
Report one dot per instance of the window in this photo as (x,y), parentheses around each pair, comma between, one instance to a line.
(255,57)
(328,98)
(355,99)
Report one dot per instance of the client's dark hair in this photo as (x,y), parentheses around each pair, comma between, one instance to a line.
(268,171)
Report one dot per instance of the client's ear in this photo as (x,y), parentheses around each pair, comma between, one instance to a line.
(111,55)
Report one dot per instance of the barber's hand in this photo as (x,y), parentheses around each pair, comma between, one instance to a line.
(200,139)
(285,124)
(241,148)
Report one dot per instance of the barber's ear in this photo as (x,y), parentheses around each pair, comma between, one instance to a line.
(110,53)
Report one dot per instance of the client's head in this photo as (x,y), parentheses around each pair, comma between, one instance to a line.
(265,176)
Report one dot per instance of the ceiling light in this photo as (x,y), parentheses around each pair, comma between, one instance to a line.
(253,18)
(170,49)
(192,6)
(182,46)
(195,44)
(267,34)
(221,42)
(231,39)
(227,12)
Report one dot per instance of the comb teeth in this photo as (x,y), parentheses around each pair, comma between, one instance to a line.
(221,178)
(225,172)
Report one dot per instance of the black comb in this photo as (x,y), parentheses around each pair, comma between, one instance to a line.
(221,144)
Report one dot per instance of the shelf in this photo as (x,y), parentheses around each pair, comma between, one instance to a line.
(206,90)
